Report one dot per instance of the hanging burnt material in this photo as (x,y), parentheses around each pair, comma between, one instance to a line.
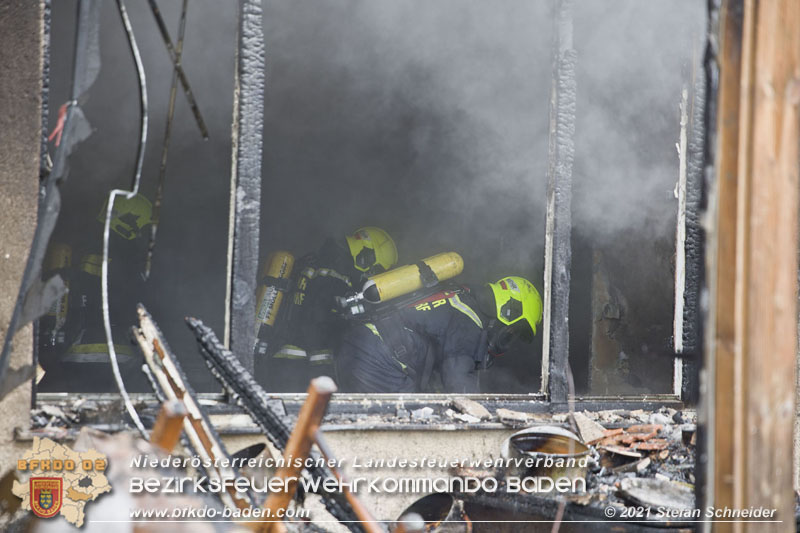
(35,297)
(558,252)
(162,169)
(174,55)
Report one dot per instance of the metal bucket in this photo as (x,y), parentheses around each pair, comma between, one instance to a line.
(555,453)
(441,512)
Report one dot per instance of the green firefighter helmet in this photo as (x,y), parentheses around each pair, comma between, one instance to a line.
(129,215)
(372,249)
(517,300)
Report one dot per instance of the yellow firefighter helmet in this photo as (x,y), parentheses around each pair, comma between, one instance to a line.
(129,215)
(372,247)
(517,299)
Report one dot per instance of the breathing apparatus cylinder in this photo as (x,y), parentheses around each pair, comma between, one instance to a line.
(273,283)
(409,278)
(57,261)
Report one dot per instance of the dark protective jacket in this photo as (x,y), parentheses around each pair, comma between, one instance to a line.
(312,325)
(74,352)
(314,317)
(441,334)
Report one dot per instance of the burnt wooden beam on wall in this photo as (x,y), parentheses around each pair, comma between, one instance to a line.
(691,342)
(248,126)
(558,227)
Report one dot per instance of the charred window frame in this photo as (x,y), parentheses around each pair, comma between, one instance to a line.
(245,194)
(556,389)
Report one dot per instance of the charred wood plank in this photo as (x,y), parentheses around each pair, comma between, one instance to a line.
(245,391)
(558,230)
(245,191)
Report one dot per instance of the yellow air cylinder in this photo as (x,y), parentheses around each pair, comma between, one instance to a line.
(59,256)
(278,265)
(409,278)
(57,261)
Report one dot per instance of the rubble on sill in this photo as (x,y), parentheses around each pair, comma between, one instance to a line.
(62,418)
(642,459)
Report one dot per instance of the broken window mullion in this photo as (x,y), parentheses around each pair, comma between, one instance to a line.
(558,252)
(245,202)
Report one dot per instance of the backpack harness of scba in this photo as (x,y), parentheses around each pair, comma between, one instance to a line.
(418,286)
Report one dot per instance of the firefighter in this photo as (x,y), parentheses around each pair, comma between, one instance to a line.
(73,348)
(440,342)
(309,324)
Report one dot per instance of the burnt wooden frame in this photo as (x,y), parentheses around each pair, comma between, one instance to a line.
(243,255)
(245,193)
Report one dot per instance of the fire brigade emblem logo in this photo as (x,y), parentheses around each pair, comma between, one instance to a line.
(46,496)
(53,479)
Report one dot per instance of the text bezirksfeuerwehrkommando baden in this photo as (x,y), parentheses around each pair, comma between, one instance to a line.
(381,484)
(387,484)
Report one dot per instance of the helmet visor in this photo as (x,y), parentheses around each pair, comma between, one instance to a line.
(511,310)
(365,258)
(124,225)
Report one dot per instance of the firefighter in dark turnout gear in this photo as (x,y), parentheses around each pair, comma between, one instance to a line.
(73,349)
(453,334)
(310,322)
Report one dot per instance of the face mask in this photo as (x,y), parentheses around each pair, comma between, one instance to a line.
(502,337)
(500,340)
(377,268)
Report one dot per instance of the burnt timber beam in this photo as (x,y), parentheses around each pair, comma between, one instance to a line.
(691,342)
(558,228)
(245,193)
